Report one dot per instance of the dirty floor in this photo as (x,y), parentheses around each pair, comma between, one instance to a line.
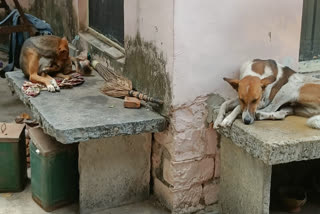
(22,203)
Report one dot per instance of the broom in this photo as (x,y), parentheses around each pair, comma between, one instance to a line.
(119,86)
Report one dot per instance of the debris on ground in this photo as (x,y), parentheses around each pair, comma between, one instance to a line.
(26,119)
(6,195)
(131,102)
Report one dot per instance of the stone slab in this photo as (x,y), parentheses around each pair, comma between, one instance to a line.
(245,181)
(273,142)
(84,113)
(114,172)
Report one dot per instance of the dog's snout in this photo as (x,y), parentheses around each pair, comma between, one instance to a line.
(247,118)
(247,121)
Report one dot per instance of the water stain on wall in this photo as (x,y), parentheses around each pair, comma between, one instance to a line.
(146,66)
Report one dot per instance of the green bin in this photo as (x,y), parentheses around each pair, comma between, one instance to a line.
(13,166)
(54,171)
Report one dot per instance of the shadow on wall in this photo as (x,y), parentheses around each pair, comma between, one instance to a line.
(146,66)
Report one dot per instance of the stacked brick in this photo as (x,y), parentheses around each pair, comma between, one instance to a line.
(186,161)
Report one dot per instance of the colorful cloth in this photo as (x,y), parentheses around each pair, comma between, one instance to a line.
(34,89)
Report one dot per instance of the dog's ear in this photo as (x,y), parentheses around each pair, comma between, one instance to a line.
(63,49)
(233,82)
(266,81)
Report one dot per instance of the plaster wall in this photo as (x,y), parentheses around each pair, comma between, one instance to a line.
(212,38)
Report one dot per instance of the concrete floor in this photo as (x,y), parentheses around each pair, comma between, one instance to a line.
(22,203)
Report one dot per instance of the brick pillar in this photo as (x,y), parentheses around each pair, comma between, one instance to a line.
(185,161)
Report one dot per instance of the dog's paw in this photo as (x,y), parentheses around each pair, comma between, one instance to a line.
(260,115)
(51,88)
(55,85)
(226,122)
(217,123)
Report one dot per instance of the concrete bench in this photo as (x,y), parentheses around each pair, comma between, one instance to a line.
(249,152)
(115,143)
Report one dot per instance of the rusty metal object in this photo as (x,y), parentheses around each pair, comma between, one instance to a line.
(25,25)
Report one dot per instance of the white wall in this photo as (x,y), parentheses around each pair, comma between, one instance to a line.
(212,38)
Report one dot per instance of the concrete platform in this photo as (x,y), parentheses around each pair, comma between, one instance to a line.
(249,152)
(84,113)
(275,142)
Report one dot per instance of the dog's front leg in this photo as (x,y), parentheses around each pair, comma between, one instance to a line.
(278,115)
(225,107)
(231,117)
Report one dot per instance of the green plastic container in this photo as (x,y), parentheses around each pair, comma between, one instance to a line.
(54,171)
(13,166)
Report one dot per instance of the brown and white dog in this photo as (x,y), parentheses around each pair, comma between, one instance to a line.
(50,49)
(269,90)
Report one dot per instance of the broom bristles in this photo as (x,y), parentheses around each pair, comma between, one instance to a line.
(119,86)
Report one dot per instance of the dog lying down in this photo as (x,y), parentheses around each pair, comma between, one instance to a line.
(269,90)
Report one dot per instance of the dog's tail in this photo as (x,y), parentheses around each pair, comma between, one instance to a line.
(314,122)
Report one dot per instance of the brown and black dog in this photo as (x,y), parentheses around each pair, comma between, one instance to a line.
(49,48)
